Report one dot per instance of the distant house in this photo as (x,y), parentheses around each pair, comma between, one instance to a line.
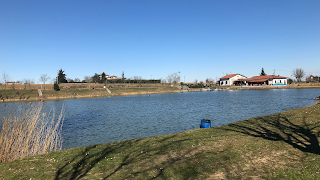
(231,79)
(113,77)
(100,76)
(267,80)
(313,79)
(10,83)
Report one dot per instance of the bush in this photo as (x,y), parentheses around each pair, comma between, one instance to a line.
(56,87)
(29,131)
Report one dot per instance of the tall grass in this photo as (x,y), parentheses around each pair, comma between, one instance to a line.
(29,130)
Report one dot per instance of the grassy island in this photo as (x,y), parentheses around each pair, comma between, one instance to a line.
(278,146)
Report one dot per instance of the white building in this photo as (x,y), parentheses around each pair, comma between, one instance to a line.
(270,80)
(229,79)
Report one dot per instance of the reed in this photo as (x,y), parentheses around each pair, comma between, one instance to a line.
(29,130)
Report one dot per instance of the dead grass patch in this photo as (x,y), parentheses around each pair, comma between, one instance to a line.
(28,131)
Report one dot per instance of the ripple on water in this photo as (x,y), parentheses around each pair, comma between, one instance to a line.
(102,120)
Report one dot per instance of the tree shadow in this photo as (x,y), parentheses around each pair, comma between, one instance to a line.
(82,163)
(303,136)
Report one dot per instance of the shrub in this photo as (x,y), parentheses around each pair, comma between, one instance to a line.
(29,131)
(56,87)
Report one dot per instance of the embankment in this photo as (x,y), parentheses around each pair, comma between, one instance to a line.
(96,90)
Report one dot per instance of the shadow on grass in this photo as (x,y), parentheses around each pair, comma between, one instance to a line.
(135,152)
(279,128)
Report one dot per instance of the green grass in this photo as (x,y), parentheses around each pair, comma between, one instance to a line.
(19,94)
(32,95)
(144,89)
(279,146)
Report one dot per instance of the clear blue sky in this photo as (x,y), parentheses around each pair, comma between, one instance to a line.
(201,39)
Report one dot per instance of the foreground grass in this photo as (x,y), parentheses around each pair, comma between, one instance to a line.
(279,146)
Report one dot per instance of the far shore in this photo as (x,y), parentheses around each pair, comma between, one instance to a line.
(32,95)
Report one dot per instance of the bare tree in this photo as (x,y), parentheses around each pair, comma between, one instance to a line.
(169,79)
(76,80)
(173,78)
(88,79)
(176,78)
(44,78)
(69,80)
(5,79)
(210,81)
(27,82)
(298,73)
(13,85)
(196,81)
(138,79)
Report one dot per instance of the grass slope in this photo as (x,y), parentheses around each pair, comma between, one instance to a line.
(47,95)
(279,146)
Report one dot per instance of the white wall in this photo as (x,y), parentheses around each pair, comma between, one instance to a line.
(230,80)
(284,82)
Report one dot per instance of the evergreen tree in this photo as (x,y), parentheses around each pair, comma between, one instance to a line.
(262,73)
(103,78)
(62,77)
(56,87)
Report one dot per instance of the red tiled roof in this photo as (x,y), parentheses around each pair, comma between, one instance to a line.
(228,76)
(264,78)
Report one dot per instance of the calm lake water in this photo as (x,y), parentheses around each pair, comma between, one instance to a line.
(102,120)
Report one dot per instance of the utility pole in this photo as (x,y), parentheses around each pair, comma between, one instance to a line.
(179,77)
(123,81)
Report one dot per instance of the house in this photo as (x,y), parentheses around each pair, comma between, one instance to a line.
(267,80)
(100,76)
(231,79)
(113,77)
(10,83)
(313,79)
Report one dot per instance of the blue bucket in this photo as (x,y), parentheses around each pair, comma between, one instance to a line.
(205,123)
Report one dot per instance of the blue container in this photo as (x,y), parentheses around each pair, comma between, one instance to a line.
(205,123)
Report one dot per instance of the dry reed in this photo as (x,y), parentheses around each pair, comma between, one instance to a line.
(29,131)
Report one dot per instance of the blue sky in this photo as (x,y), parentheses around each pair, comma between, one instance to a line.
(154,38)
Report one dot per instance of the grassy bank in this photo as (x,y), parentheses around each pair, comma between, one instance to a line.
(79,91)
(52,95)
(278,146)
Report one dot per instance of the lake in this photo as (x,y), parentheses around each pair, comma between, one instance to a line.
(110,119)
